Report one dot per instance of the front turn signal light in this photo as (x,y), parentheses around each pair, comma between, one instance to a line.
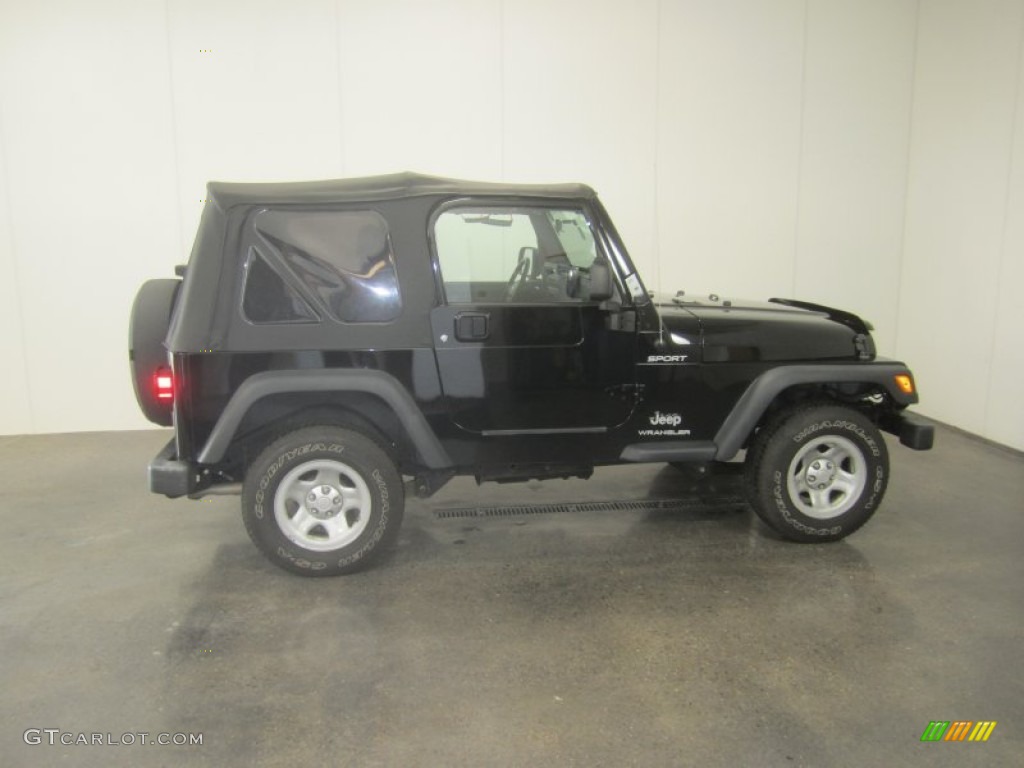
(906,383)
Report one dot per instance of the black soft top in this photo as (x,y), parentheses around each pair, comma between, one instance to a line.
(206,315)
(390,187)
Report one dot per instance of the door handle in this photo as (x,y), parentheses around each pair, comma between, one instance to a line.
(472,326)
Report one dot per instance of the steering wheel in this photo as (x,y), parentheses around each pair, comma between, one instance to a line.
(518,274)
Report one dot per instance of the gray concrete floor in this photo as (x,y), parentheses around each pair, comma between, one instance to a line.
(690,637)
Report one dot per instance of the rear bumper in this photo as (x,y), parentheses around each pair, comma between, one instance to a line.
(170,476)
(912,430)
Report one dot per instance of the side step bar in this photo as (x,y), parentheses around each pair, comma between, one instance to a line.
(670,450)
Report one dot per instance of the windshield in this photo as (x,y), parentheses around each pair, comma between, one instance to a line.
(575,236)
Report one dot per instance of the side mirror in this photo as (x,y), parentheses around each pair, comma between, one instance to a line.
(601,286)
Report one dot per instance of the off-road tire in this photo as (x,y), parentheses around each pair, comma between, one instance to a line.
(817,473)
(322,501)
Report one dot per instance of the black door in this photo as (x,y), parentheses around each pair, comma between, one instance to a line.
(520,346)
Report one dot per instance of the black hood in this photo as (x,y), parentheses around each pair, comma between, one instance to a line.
(735,330)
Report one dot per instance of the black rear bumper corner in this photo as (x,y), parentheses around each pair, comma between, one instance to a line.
(169,476)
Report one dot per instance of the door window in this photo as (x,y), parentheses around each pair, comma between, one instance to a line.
(515,255)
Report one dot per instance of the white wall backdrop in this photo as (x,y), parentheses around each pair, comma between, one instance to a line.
(862,153)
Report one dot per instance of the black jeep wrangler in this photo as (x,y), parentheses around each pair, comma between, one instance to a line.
(328,338)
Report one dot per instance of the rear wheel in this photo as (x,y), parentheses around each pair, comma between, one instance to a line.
(817,473)
(322,501)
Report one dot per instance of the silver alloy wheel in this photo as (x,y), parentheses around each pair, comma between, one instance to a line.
(827,477)
(322,505)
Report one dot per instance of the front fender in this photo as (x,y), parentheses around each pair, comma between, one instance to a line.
(765,388)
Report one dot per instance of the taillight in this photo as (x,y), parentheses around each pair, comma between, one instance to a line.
(163,383)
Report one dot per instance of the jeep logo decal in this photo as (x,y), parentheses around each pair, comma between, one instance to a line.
(666,419)
(666,358)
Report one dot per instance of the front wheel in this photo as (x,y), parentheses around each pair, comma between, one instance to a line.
(322,501)
(817,473)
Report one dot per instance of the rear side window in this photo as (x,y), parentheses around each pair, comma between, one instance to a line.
(342,259)
(268,298)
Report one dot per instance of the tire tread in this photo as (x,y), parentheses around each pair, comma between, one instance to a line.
(362,445)
(755,481)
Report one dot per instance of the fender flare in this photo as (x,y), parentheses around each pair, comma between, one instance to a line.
(765,388)
(377,383)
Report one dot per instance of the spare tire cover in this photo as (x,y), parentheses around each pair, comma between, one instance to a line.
(150,319)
